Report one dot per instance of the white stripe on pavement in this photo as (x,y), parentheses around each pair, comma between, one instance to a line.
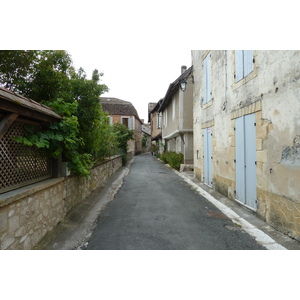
(259,235)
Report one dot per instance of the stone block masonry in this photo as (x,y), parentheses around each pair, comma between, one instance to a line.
(28,213)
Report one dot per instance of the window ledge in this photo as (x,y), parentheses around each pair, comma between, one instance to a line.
(208,104)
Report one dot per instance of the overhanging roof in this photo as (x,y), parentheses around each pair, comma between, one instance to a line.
(174,86)
(12,102)
(115,106)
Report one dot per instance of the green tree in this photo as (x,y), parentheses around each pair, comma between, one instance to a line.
(41,75)
(48,76)
(16,68)
(122,135)
(92,120)
(51,76)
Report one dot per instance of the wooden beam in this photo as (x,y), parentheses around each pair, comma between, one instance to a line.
(26,112)
(6,123)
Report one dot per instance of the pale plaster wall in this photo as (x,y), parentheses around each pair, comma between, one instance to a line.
(155,129)
(187,106)
(272,92)
(172,124)
(178,139)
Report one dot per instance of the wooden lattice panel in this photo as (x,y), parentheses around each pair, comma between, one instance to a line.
(20,165)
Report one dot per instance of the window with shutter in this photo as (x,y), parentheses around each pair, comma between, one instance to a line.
(248,62)
(206,82)
(130,123)
(243,63)
(124,121)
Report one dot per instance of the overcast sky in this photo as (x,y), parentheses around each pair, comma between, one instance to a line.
(134,74)
(140,46)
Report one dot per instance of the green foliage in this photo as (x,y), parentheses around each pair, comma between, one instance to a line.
(61,138)
(16,67)
(144,140)
(42,75)
(174,159)
(154,148)
(84,134)
(121,135)
(92,121)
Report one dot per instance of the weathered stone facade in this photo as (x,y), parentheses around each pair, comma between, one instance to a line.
(270,92)
(27,214)
(123,112)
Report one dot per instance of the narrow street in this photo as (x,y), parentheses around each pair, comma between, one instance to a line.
(157,209)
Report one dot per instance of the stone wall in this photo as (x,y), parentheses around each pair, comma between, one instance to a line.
(28,213)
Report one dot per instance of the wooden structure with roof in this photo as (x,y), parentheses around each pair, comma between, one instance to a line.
(21,165)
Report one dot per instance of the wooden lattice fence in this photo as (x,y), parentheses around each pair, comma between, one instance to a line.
(21,165)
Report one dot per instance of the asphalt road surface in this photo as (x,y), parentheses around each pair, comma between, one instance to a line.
(156,210)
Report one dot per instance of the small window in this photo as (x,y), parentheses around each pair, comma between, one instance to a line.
(165,114)
(158,120)
(127,121)
(206,81)
(173,108)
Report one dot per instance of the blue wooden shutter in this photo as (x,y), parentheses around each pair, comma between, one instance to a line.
(240,159)
(209,152)
(130,123)
(248,62)
(205,157)
(204,82)
(250,158)
(208,78)
(206,66)
(239,65)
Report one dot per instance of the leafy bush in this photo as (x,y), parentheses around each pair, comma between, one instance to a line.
(174,159)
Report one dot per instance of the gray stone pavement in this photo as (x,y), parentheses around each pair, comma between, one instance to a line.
(76,230)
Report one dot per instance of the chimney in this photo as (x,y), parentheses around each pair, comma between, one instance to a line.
(183,69)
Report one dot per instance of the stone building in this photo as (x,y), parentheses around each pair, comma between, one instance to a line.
(123,112)
(247,130)
(146,130)
(155,123)
(176,112)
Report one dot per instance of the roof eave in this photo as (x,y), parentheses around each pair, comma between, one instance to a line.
(173,87)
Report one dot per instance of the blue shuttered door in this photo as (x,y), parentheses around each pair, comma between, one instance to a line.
(209,150)
(250,149)
(207,143)
(240,160)
(245,131)
(205,155)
